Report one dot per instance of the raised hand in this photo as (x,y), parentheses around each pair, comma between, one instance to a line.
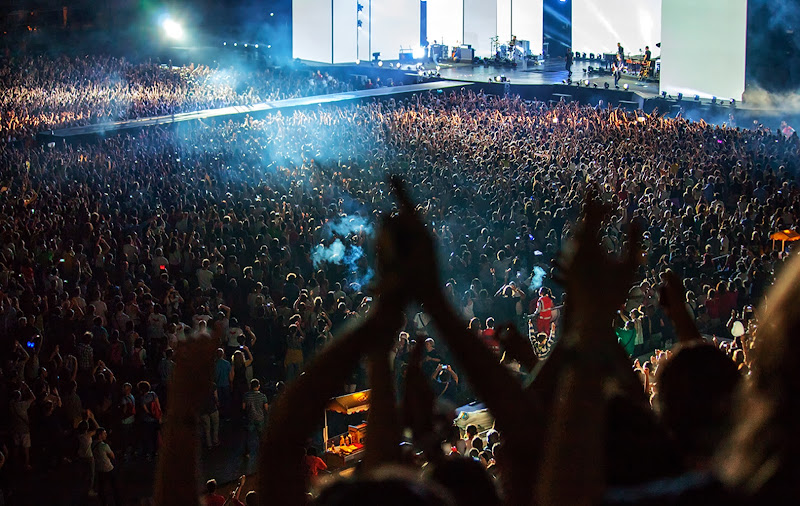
(597,284)
(673,301)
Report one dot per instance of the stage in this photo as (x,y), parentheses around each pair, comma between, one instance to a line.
(546,73)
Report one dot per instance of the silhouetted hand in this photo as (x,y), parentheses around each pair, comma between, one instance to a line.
(673,301)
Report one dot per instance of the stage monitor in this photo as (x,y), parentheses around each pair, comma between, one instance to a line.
(446,22)
(597,25)
(395,25)
(312,30)
(703,48)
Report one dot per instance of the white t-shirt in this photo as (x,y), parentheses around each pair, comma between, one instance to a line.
(204,278)
(232,335)
(155,325)
(102,457)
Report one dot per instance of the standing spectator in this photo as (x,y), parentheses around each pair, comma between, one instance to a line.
(127,409)
(294,352)
(211,497)
(85,457)
(21,401)
(223,375)
(255,406)
(314,464)
(103,458)
(149,412)
(209,417)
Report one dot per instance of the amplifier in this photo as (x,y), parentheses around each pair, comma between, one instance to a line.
(465,53)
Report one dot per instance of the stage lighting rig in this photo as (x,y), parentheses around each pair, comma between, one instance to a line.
(626,86)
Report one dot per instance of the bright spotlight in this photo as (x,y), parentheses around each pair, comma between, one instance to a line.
(358,62)
(172,29)
(380,63)
(271,14)
(438,68)
(256,46)
(626,86)
(418,53)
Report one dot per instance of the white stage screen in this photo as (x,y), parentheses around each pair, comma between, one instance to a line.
(597,25)
(527,19)
(504,21)
(480,25)
(395,24)
(345,28)
(703,48)
(446,22)
(311,30)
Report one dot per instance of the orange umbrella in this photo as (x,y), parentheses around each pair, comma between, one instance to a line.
(784,236)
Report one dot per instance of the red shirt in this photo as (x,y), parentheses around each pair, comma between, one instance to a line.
(490,340)
(315,465)
(213,500)
(547,305)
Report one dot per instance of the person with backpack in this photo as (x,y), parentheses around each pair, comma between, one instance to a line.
(117,352)
(127,411)
(138,358)
(149,413)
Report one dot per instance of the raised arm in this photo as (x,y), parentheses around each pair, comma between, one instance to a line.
(673,300)
(299,409)
(573,471)
(178,462)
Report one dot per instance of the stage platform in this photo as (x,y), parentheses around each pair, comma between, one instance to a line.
(102,129)
(546,73)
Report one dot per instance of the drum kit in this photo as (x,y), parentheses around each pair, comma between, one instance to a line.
(508,53)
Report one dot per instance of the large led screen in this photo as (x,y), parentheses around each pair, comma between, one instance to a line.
(703,48)
(345,31)
(597,25)
(395,25)
(480,25)
(312,30)
(446,22)
(526,22)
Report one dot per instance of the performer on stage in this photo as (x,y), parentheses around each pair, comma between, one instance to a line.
(647,54)
(621,52)
(569,61)
(616,69)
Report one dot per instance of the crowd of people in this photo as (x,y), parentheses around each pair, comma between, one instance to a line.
(264,232)
(41,93)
